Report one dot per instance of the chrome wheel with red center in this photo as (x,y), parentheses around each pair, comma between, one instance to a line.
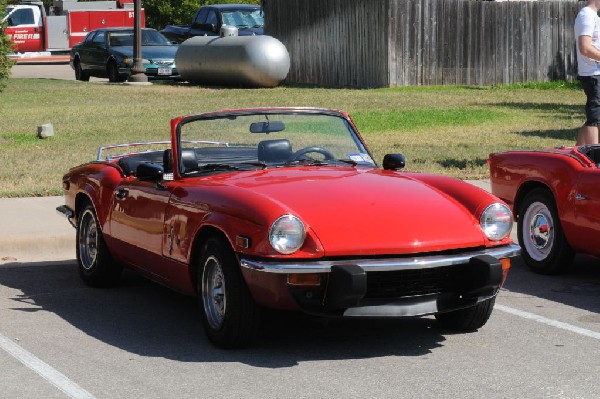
(545,247)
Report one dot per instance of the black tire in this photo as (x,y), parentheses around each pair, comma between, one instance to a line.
(469,319)
(113,73)
(545,248)
(79,73)
(96,267)
(229,313)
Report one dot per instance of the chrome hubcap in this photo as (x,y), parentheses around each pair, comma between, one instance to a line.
(213,292)
(538,231)
(87,240)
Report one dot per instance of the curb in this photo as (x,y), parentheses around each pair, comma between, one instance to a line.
(31,231)
(42,60)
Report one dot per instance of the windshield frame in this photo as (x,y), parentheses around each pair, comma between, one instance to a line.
(178,123)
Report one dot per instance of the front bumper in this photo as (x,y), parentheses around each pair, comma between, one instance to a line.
(397,287)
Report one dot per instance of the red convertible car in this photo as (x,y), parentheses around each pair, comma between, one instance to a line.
(555,197)
(285,208)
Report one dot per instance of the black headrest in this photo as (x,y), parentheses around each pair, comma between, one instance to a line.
(188,157)
(274,151)
(129,164)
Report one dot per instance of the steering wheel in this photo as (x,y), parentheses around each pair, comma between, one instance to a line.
(307,150)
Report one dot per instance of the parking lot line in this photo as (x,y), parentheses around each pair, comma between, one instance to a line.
(549,322)
(51,375)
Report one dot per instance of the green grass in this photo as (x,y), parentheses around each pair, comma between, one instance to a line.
(440,129)
(374,121)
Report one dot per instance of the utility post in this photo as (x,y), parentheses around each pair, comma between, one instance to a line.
(137,70)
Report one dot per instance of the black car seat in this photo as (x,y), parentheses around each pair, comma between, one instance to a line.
(274,151)
(188,157)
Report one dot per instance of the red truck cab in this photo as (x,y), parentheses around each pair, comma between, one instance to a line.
(25,26)
(66,24)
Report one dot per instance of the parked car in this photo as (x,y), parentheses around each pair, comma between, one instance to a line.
(108,53)
(555,197)
(247,18)
(285,208)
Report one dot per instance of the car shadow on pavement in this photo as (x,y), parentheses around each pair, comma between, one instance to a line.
(578,286)
(148,319)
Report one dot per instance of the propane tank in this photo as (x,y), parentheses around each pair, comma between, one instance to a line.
(231,60)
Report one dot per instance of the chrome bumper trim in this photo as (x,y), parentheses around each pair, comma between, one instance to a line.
(380,265)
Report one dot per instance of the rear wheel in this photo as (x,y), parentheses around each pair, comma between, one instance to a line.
(546,250)
(469,319)
(79,73)
(113,73)
(229,313)
(96,266)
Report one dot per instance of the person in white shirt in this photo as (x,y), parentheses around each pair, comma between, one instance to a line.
(587,36)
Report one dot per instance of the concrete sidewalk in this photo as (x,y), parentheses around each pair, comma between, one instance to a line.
(32,231)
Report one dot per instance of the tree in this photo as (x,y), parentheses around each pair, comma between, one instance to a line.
(5,50)
(160,13)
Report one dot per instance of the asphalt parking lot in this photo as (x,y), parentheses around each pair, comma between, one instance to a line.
(141,340)
(60,338)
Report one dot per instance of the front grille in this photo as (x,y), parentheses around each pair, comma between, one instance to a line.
(403,283)
(163,62)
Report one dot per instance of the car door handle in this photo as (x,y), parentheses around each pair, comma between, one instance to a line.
(121,193)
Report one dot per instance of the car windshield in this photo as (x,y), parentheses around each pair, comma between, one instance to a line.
(266,139)
(244,18)
(149,38)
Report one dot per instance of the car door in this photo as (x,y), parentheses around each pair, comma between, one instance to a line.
(198,27)
(586,212)
(137,222)
(25,33)
(209,25)
(98,54)
(90,51)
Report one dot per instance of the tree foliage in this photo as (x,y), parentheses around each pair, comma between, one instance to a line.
(5,50)
(160,13)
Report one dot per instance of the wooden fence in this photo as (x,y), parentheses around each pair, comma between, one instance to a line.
(387,43)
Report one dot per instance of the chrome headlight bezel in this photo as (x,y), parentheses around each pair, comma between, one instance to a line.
(287,234)
(496,221)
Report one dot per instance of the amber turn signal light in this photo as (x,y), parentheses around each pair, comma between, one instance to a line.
(304,279)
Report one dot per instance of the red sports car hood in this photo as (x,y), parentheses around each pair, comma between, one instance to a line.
(364,211)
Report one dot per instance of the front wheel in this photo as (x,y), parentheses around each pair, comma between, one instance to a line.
(79,73)
(113,73)
(469,319)
(229,313)
(96,266)
(546,250)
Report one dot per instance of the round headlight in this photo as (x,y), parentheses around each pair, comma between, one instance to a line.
(287,234)
(496,221)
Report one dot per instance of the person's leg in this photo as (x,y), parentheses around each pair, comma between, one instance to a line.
(587,135)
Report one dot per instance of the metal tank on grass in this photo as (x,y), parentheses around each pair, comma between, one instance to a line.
(232,60)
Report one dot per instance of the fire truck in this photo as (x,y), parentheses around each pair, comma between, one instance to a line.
(33,30)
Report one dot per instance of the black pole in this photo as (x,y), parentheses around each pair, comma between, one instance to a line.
(137,70)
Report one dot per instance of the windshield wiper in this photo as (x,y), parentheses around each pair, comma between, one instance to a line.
(211,167)
(306,162)
(263,165)
(348,161)
(316,162)
(215,167)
